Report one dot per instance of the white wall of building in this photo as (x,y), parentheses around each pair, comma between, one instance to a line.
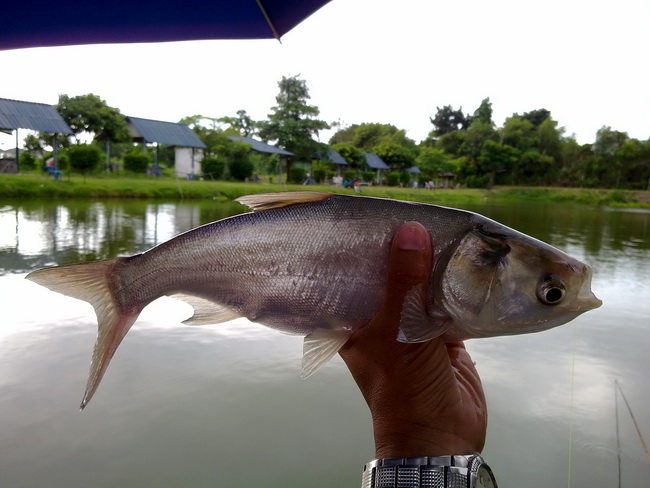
(185,164)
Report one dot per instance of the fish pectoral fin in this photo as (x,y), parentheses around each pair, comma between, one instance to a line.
(205,311)
(416,325)
(266,201)
(319,347)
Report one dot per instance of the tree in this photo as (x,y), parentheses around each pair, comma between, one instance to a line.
(606,167)
(369,135)
(518,132)
(242,124)
(448,120)
(353,155)
(536,117)
(89,113)
(395,155)
(432,162)
(494,157)
(484,112)
(292,123)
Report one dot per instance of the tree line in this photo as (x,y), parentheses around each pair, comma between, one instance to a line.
(528,149)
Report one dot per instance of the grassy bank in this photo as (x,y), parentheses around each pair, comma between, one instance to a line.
(42,187)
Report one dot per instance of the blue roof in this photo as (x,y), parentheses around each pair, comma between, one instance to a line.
(333,156)
(15,114)
(414,169)
(169,133)
(260,146)
(375,162)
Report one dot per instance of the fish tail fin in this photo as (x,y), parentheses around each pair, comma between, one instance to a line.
(91,282)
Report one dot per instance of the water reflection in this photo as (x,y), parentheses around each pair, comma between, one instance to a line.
(190,406)
(35,235)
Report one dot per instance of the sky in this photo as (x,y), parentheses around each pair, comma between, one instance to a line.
(381,61)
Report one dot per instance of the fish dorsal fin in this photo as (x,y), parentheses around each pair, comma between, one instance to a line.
(416,325)
(205,311)
(319,347)
(266,201)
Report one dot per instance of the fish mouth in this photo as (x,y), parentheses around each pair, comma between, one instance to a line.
(586,300)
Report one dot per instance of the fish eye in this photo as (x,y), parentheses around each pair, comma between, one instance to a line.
(551,291)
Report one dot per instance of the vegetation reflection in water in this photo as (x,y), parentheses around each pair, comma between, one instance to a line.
(191,406)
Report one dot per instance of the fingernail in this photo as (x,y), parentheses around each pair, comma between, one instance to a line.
(413,237)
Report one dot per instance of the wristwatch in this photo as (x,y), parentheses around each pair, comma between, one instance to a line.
(469,471)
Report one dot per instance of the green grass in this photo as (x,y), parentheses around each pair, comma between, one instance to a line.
(42,187)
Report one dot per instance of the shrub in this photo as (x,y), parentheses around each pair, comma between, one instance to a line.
(27,161)
(297,175)
(136,161)
(476,181)
(392,178)
(240,169)
(320,175)
(213,167)
(84,157)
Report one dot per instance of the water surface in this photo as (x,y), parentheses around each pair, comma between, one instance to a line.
(224,405)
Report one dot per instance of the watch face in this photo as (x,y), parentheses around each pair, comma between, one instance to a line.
(485,478)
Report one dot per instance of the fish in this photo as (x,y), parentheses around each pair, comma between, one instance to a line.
(315,264)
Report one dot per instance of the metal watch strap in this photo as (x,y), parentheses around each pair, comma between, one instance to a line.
(421,472)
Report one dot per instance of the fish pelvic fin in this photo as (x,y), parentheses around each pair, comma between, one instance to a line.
(267,201)
(319,347)
(90,282)
(205,311)
(416,325)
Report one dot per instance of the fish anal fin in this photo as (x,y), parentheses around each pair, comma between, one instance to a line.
(319,347)
(266,201)
(416,325)
(206,311)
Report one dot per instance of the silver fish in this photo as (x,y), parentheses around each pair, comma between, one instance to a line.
(315,264)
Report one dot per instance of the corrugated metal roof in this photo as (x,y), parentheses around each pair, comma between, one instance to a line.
(375,162)
(334,157)
(170,133)
(260,146)
(15,114)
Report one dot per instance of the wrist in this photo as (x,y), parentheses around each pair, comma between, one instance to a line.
(403,439)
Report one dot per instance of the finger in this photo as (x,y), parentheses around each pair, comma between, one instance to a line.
(410,258)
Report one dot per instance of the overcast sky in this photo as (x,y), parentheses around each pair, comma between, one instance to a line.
(388,61)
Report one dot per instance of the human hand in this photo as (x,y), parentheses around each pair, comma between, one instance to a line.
(426,399)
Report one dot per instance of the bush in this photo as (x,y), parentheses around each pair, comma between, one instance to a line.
(84,157)
(392,178)
(213,167)
(240,169)
(404,178)
(297,175)
(348,174)
(320,175)
(136,161)
(62,161)
(476,181)
(368,176)
(27,161)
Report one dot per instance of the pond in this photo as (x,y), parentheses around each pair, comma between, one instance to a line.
(224,405)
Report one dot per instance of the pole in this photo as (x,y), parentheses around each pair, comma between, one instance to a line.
(17,154)
(55,144)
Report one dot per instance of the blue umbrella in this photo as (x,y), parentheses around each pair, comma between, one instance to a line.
(39,23)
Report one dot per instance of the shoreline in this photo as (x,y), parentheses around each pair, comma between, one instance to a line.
(13,187)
